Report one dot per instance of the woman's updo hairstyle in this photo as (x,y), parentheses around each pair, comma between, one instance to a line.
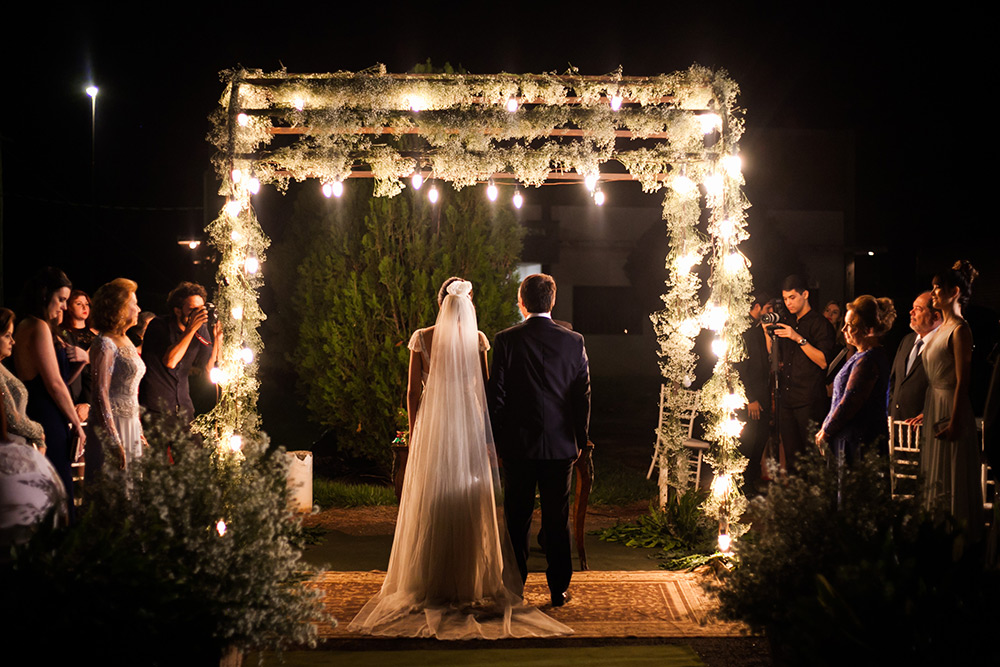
(960,275)
(110,305)
(874,315)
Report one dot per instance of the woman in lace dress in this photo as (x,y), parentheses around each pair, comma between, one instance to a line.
(117,370)
(15,395)
(452,573)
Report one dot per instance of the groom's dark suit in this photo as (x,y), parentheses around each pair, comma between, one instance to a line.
(540,411)
(907,390)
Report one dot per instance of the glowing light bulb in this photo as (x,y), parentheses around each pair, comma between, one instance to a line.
(216,375)
(235,442)
(599,197)
(714,184)
(491,192)
(733,164)
(732,402)
(252,265)
(590,180)
(710,122)
(237,312)
(432,194)
(327,190)
(221,527)
(682,185)
(416,103)
(193,244)
(512,104)
(725,542)
(734,263)
(235,235)
(243,119)
(715,317)
(688,381)
(247,355)
(719,347)
(299,103)
(91,90)
(616,102)
(233,207)
(727,229)
(337,188)
(732,428)
(416,181)
(253,185)
(689,328)
(685,263)
(237,175)
(721,485)
(518,199)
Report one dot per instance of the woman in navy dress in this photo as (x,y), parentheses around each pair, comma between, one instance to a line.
(46,365)
(857,416)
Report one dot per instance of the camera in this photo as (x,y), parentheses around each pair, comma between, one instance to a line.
(213,314)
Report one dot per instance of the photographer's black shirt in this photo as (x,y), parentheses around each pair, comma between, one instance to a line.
(166,390)
(802,382)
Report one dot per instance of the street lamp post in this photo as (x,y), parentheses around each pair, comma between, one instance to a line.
(92,91)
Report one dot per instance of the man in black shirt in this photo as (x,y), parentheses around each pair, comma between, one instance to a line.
(805,349)
(172,346)
(755,374)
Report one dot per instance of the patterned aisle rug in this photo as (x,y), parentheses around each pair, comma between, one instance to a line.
(603,604)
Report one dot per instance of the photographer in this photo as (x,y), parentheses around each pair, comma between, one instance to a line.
(805,347)
(175,344)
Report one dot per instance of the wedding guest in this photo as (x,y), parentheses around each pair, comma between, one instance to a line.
(804,348)
(43,362)
(173,345)
(117,370)
(857,417)
(908,380)
(76,330)
(755,373)
(138,332)
(950,452)
(15,395)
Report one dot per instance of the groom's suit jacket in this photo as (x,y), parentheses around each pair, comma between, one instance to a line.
(539,391)
(907,390)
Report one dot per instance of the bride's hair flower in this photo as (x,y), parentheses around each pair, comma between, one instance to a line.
(460,288)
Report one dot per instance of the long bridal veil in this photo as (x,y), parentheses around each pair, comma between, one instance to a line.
(452,574)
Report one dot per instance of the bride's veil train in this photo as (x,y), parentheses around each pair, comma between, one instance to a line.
(452,573)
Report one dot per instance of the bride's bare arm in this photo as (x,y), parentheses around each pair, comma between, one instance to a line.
(414,387)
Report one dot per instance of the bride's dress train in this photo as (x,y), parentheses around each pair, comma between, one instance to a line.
(452,574)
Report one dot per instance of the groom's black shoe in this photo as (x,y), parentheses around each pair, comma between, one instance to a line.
(559,599)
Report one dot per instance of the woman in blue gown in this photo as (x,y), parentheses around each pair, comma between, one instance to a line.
(857,417)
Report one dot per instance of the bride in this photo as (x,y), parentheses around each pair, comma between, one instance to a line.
(451,573)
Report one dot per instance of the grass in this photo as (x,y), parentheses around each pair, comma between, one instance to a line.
(332,493)
(616,484)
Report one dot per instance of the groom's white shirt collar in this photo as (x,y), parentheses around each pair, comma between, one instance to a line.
(530,315)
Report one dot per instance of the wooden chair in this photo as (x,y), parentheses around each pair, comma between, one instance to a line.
(904,458)
(690,402)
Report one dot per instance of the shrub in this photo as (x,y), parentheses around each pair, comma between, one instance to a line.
(841,572)
(150,577)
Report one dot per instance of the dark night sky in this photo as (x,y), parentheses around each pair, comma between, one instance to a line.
(906,86)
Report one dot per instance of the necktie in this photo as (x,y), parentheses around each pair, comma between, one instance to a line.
(914,353)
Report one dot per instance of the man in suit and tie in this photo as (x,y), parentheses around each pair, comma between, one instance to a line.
(907,380)
(539,391)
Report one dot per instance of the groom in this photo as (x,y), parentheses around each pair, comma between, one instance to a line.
(539,392)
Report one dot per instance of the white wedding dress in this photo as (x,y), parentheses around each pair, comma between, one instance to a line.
(452,573)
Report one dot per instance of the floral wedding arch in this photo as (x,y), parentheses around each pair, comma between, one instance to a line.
(676,132)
